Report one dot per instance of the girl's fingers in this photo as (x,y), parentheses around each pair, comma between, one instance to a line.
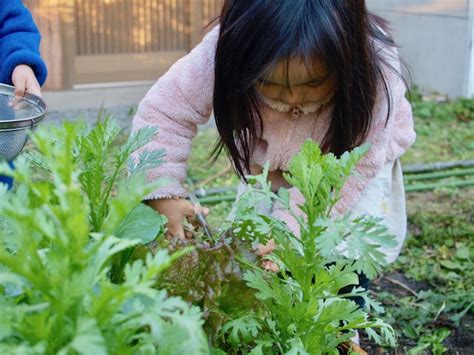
(199,209)
(32,87)
(270,266)
(176,231)
(24,80)
(188,209)
(20,87)
(189,234)
(195,220)
(267,248)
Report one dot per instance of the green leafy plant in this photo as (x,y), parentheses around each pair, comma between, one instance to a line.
(59,237)
(433,342)
(103,167)
(437,264)
(301,310)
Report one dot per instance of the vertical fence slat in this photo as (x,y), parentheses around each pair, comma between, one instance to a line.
(68,40)
(154,25)
(135,23)
(130,22)
(161,25)
(174,23)
(108,28)
(126,13)
(196,20)
(182,21)
(80,34)
(87,24)
(142,25)
(146,16)
(149,28)
(168,25)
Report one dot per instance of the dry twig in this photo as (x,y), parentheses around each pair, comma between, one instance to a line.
(402,285)
(213,177)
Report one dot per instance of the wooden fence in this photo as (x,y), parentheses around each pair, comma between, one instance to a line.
(94,41)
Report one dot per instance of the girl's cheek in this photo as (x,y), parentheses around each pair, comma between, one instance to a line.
(270,91)
(315,94)
(319,93)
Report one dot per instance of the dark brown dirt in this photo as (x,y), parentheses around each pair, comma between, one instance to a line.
(461,340)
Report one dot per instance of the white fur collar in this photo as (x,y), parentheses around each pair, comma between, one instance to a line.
(296,110)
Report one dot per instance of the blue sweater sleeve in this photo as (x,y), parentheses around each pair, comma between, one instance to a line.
(19,41)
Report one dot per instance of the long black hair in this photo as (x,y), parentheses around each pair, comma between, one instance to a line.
(257,34)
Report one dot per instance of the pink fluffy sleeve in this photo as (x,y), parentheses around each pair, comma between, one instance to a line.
(179,101)
(388,139)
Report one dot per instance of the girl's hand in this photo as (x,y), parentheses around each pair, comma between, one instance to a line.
(267,249)
(175,210)
(25,80)
(264,249)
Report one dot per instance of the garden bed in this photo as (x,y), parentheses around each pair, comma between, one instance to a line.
(441,222)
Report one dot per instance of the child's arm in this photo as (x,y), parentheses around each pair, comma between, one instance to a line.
(176,104)
(179,101)
(20,61)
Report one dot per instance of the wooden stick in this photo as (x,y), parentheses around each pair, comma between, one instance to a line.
(213,177)
(402,285)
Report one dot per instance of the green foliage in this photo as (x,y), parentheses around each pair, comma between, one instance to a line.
(102,163)
(445,131)
(433,341)
(300,309)
(435,258)
(439,261)
(461,109)
(58,238)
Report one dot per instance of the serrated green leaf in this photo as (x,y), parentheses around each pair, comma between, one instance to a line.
(242,330)
(88,339)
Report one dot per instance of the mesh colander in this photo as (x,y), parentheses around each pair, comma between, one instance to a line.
(17,118)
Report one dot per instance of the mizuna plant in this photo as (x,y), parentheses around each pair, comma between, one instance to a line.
(301,309)
(61,232)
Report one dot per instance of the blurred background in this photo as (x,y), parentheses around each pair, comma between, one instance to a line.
(120,47)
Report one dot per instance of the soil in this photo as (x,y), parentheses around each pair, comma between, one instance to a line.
(461,340)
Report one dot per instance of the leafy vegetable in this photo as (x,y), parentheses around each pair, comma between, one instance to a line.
(301,309)
(58,238)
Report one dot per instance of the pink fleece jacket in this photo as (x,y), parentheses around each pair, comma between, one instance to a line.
(182,99)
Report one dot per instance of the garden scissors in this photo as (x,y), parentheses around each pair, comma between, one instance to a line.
(201,217)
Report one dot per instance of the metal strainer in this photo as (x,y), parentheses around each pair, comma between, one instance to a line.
(17,118)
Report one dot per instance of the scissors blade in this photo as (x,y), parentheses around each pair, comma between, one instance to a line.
(200,215)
